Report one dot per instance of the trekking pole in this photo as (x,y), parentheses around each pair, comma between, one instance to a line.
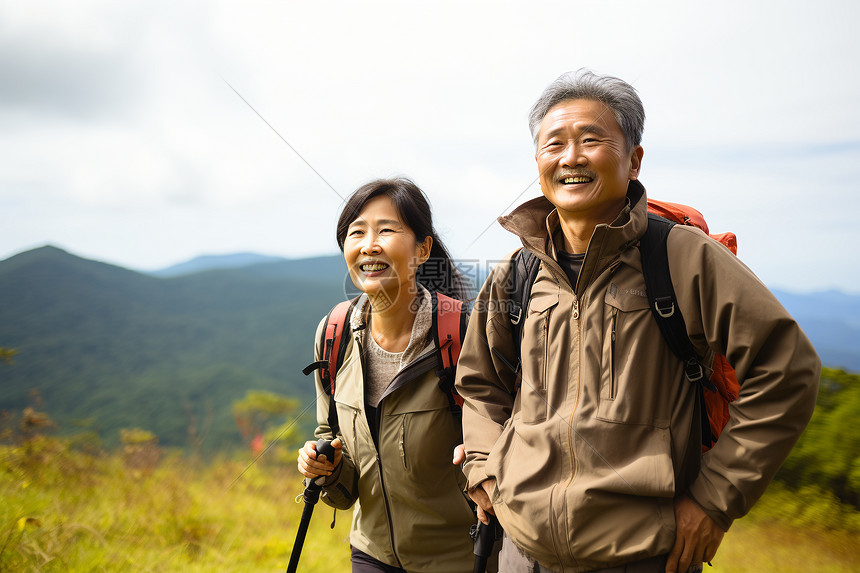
(310,496)
(484,536)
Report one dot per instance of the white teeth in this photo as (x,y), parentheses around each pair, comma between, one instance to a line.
(577,179)
(373,267)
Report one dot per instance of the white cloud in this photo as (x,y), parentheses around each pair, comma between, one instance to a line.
(121,139)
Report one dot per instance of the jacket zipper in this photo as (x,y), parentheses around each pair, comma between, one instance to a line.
(403,442)
(545,382)
(379,464)
(612,336)
(385,491)
(418,362)
(355,436)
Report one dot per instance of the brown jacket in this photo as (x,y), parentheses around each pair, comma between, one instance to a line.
(603,432)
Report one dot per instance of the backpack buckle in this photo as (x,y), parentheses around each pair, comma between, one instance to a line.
(515,318)
(694,371)
(665,306)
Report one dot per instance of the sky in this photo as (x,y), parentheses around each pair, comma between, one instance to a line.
(144,134)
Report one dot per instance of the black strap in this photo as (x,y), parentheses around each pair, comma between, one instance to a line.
(664,307)
(524,270)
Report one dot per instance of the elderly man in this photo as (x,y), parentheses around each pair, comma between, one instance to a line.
(591,455)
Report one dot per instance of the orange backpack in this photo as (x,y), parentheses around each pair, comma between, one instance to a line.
(723,386)
(714,393)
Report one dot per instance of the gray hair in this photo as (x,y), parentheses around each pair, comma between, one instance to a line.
(616,94)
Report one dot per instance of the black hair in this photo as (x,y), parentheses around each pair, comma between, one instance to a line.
(438,273)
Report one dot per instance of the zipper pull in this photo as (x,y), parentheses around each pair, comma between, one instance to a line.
(575,308)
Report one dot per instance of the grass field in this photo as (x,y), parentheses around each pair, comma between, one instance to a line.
(66,510)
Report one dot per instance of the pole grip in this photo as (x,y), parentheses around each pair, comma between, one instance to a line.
(311,496)
(485,536)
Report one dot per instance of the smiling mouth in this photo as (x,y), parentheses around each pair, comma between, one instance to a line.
(576,180)
(373,267)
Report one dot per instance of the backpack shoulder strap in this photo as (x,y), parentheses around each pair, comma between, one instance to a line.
(661,296)
(333,344)
(448,325)
(524,269)
(664,307)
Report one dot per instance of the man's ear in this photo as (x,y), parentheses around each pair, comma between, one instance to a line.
(635,162)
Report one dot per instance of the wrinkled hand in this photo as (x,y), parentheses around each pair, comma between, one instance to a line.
(311,467)
(459,455)
(481,496)
(697,537)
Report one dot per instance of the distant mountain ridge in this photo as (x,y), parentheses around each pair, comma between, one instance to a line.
(831,319)
(129,349)
(210,262)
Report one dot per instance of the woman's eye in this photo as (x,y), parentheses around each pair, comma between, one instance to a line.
(356,233)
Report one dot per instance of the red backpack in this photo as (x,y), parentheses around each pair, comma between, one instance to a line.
(448,328)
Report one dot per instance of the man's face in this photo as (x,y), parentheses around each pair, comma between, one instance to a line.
(583,161)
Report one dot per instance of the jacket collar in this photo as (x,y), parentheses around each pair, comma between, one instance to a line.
(536,221)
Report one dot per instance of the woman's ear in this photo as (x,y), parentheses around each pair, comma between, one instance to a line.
(424,248)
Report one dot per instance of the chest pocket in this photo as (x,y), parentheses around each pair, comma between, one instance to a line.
(532,395)
(633,350)
(419,430)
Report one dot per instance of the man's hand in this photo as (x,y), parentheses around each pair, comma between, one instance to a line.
(697,537)
(481,496)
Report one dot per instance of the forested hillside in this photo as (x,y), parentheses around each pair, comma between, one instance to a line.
(111,348)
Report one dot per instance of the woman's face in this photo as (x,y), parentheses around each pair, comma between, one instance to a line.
(381,252)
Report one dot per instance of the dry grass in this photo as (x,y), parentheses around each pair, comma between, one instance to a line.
(63,510)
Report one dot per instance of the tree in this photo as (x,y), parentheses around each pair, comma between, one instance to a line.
(259,411)
(6,354)
(828,453)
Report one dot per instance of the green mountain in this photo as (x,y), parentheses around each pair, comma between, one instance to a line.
(123,349)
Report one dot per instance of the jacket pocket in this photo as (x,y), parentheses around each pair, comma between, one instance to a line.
(352,440)
(634,360)
(403,420)
(418,430)
(534,361)
(626,494)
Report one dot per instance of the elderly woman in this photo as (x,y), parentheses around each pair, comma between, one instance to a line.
(395,429)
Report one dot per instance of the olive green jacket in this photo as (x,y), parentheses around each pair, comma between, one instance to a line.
(591,448)
(411,509)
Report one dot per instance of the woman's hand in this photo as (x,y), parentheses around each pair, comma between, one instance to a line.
(311,467)
(459,455)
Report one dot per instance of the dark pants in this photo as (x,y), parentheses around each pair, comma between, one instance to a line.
(364,563)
